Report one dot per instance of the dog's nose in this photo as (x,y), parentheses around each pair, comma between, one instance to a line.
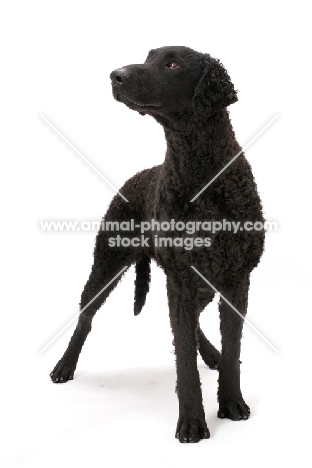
(120,75)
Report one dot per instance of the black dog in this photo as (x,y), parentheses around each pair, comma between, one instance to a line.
(187,93)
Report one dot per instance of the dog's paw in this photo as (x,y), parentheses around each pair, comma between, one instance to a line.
(62,372)
(210,355)
(192,430)
(212,360)
(236,410)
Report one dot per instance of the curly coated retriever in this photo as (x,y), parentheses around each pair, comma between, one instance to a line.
(187,92)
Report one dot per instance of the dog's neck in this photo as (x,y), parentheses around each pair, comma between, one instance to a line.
(197,151)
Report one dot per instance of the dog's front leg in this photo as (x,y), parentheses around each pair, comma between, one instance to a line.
(191,425)
(231,402)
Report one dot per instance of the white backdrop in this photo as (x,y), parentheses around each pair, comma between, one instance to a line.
(121,408)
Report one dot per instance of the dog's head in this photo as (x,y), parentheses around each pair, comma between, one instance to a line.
(174,83)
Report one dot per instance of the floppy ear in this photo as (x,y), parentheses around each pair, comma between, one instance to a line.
(215,91)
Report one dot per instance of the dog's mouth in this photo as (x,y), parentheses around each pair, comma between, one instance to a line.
(130,103)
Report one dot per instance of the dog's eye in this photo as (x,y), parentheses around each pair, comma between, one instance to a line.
(172,64)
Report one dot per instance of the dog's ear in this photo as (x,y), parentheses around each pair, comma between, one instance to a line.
(215,91)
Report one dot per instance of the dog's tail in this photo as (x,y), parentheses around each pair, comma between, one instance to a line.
(143,277)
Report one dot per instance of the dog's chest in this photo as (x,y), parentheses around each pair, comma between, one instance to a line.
(200,234)
(181,233)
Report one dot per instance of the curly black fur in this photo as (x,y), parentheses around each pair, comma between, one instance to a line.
(187,93)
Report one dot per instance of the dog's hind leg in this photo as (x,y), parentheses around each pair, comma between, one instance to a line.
(210,355)
(107,266)
(110,261)
(231,402)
